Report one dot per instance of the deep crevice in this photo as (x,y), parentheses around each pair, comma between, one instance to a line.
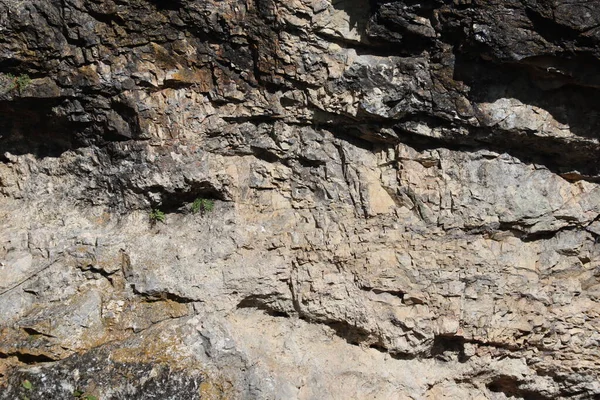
(510,387)
(265,154)
(172,5)
(444,347)
(174,200)
(397,293)
(29,126)
(155,296)
(552,31)
(28,358)
(352,334)
(358,336)
(547,235)
(578,160)
(260,302)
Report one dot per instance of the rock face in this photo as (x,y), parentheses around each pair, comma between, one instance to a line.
(362,199)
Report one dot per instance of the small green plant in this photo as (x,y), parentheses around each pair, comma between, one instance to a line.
(157,216)
(203,205)
(22,81)
(10,82)
(27,385)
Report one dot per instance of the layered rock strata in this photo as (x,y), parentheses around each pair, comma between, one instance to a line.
(404,199)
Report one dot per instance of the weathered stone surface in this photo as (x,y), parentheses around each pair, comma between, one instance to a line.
(401,199)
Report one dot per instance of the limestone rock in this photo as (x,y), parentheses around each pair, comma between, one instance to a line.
(299,199)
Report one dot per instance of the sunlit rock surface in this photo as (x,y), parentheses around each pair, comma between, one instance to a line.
(403,199)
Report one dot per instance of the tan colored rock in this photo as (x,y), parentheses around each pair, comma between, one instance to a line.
(302,199)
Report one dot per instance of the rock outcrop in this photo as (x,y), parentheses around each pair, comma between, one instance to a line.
(353,199)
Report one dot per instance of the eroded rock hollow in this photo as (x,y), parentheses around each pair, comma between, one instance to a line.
(299,199)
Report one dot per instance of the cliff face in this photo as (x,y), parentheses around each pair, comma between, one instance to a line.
(401,199)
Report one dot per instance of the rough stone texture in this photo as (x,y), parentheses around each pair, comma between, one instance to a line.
(406,199)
